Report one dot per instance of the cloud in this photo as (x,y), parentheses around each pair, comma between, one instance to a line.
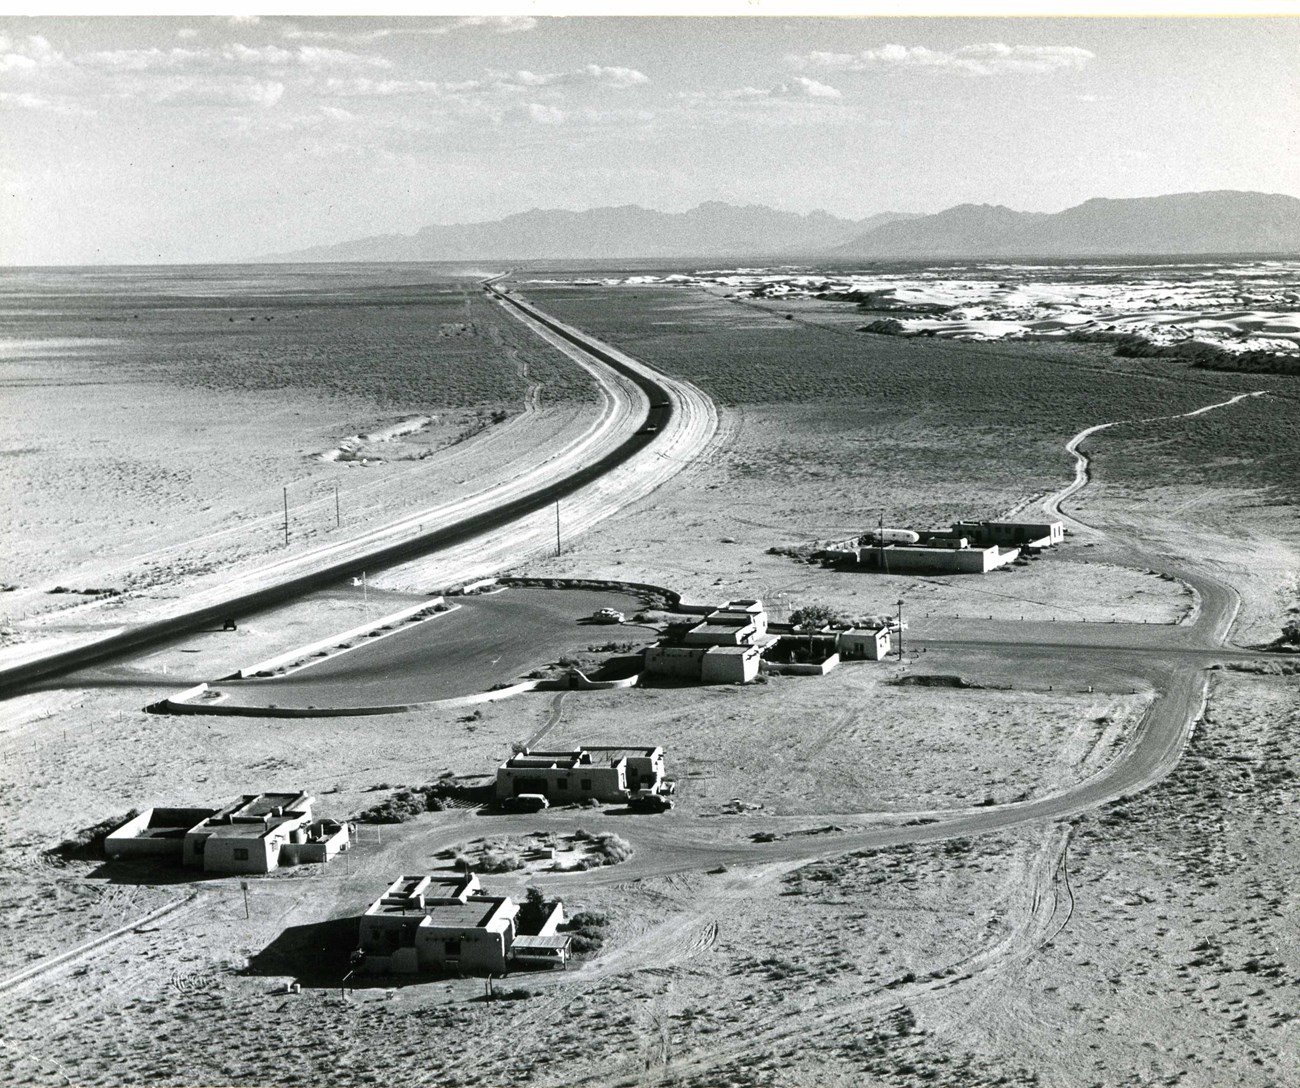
(803,87)
(800,87)
(616,77)
(186,33)
(186,91)
(984,59)
(179,58)
(24,101)
(601,75)
(28,55)
(544,115)
(500,24)
(365,87)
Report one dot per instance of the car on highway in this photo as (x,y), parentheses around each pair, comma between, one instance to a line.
(525,802)
(608,615)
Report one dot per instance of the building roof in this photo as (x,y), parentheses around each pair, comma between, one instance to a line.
(555,941)
(731,651)
(575,758)
(266,804)
(477,912)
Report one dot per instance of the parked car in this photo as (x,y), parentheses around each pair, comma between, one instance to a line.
(525,802)
(608,615)
(649,802)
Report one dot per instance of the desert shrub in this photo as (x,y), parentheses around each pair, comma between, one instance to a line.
(500,861)
(518,993)
(612,848)
(587,928)
(406,804)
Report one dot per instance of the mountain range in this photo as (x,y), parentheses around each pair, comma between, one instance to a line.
(1219,222)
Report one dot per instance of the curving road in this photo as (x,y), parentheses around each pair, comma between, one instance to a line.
(475,535)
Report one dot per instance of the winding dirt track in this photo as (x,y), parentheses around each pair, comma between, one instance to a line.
(1173,659)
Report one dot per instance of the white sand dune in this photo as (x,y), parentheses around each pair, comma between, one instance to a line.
(1250,306)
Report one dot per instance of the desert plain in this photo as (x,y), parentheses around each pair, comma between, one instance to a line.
(857,918)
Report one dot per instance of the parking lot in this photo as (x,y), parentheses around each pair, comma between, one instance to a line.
(492,639)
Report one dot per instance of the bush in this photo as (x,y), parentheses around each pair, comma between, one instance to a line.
(587,928)
(612,848)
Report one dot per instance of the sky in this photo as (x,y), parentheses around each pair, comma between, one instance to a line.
(129,140)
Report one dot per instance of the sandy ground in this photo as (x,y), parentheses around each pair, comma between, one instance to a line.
(1150,943)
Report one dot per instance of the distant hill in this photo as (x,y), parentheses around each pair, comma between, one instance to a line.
(713,229)
(1223,221)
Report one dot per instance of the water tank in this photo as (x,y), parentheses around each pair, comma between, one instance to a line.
(897,536)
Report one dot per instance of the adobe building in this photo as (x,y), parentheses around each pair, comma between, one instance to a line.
(448,925)
(254,834)
(566,777)
(725,648)
(969,547)
(871,643)
(1014,534)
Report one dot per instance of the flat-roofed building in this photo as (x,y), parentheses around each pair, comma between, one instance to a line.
(730,664)
(1016,534)
(742,612)
(871,643)
(576,775)
(448,925)
(253,834)
(710,633)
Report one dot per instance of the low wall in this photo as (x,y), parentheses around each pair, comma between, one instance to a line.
(802,669)
(290,656)
(673,598)
(175,705)
(580,681)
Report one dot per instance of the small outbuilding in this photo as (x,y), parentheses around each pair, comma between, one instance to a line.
(871,643)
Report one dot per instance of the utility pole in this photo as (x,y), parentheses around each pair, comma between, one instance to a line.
(244,886)
(900,629)
(338,513)
(286,515)
(557,527)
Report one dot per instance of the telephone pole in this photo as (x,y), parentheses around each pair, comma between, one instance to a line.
(900,629)
(286,515)
(557,527)
(338,513)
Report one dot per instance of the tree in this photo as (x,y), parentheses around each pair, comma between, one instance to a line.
(815,616)
(533,911)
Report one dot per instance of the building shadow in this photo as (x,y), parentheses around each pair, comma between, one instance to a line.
(316,954)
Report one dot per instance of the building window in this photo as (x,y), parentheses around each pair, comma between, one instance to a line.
(241,854)
(451,946)
(561,783)
(586,785)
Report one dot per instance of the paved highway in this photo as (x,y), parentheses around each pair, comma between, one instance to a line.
(613,463)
